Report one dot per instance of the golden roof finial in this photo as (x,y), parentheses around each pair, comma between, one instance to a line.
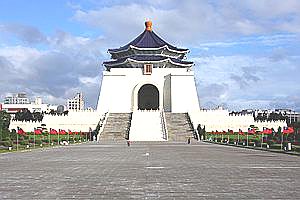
(148,25)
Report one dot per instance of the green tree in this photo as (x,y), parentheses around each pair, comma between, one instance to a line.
(37,116)
(4,124)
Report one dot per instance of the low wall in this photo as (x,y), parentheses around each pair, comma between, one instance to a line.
(221,120)
(212,119)
(74,121)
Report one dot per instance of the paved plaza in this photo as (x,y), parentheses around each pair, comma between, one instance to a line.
(149,171)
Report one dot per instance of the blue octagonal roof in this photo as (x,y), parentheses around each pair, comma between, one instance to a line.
(148,39)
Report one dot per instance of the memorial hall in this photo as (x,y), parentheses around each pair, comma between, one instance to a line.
(148,93)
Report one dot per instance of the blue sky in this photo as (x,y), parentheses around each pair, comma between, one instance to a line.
(246,53)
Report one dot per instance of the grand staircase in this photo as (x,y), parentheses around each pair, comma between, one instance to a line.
(116,127)
(147,126)
(179,126)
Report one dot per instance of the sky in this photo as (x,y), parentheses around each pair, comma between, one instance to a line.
(246,53)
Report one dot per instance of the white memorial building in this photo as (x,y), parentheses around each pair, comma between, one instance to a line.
(148,74)
(148,77)
(148,93)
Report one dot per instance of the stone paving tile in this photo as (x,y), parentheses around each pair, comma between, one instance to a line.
(149,171)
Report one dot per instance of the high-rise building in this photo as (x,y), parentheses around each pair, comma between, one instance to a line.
(76,103)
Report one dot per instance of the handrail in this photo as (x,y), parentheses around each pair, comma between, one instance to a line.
(192,126)
(164,127)
(129,126)
(102,122)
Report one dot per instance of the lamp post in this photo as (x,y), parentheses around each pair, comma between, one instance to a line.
(281,140)
(17,141)
(262,139)
(1,124)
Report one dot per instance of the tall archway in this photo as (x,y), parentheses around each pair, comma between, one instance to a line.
(148,97)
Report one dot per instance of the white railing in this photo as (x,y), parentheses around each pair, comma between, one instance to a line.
(164,127)
(129,126)
(193,125)
(102,123)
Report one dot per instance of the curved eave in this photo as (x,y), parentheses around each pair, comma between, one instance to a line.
(107,64)
(112,51)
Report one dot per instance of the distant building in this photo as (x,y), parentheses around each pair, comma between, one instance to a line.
(13,104)
(76,103)
(19,98)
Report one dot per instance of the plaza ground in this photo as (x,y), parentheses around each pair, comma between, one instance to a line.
(149,171)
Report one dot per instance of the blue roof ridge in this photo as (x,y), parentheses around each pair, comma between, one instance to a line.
(155,58)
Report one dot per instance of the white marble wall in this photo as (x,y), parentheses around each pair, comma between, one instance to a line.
(221,120)
(120,88)
(75,121)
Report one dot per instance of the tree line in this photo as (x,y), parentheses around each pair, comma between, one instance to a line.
(271,117)
(26,115)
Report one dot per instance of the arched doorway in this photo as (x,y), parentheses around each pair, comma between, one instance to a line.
(148,97)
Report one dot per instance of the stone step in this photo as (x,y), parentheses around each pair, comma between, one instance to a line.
(178,126)
(116,127)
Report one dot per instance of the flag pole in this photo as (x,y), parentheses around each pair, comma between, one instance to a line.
(281,140)
(17,141)
(58,137)
(295,134)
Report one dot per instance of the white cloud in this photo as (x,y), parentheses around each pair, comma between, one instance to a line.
(192,22)
(90,81)
(265,40)
(70,63)
(247,81)
(18,55)
(271,9)
(28,34)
